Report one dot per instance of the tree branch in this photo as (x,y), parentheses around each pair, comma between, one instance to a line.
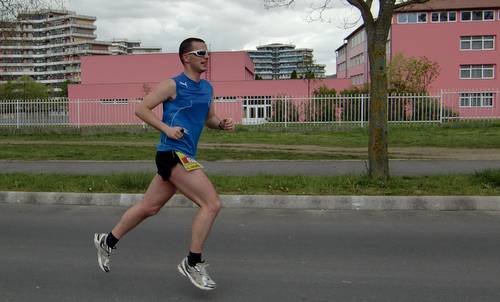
(11,8)
(320,9)
(364,9)
(278,3)
(403,3)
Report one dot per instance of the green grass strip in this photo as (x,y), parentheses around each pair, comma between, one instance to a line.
(98,152)
(470,134)
(481,183)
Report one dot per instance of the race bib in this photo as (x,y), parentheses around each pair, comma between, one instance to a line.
(187,162)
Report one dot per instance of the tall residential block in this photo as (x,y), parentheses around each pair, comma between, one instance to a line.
(278,61)
(47,45)
(126,47)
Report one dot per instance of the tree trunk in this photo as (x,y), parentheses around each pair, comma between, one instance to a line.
(378,158)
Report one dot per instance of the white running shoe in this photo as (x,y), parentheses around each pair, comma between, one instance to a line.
(103,251)
(197,274)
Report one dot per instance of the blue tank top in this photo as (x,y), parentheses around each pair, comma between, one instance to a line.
(188,110)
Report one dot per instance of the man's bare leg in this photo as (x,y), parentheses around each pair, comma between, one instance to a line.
(156,196)
(196,186)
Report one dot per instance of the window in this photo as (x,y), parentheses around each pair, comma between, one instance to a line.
(225,98)
(477,72)
(478,15)
(412,18)
(341,52)
(257,107)
(357,79)
(477,42)
(488,15)
(357,60)
(357,39)
(443,17)
(114,101)
(341,66)
(476,99)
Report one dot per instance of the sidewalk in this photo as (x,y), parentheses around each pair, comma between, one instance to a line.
(254,167)
(445,203)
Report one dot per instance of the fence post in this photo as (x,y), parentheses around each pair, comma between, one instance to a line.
(78,113)
(441,107)
(286,115)
(17,114)
(362,110)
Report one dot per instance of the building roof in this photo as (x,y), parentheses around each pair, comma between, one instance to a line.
(447,4)
(121,40)
(99,42)
(276,45)
(355,31)
(341,46)
(55,13)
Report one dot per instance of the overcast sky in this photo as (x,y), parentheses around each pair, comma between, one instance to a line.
(224,24)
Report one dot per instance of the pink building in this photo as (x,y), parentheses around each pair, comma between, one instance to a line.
(461,36)
(116,80)
(352,58)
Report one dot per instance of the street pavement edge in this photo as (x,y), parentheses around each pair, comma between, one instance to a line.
(330,202)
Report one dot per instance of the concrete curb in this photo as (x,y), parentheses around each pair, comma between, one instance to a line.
(438,203)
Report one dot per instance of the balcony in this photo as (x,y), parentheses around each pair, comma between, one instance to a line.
(55,27)
(45,46)
(263,72)
(39,64)
(43,19)
(42,73)
(298,60)
(261,61)
(52,81)
(98,52)
(18,73)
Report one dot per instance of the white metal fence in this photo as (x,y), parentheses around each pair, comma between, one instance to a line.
(282,111)
(39,112)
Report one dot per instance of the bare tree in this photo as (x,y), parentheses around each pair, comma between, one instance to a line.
(377,30)
(10,9)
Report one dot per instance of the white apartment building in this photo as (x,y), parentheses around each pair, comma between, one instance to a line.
(125,47)
(47,45)
(278,61)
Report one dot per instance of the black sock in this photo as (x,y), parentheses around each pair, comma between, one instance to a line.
(194,258)
(111,240)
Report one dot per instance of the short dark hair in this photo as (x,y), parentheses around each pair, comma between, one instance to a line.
(186,46)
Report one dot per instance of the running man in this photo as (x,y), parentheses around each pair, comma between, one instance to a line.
(187,108)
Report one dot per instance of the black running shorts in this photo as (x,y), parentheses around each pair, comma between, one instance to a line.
(165,162)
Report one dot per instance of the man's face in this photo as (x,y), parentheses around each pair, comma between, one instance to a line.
(198,57)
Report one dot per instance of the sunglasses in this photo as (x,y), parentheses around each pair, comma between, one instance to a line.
(199,53)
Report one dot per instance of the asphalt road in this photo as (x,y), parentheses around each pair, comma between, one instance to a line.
(47,254)
(255,167)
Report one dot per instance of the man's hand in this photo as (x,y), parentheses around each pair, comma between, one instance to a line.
(175,132)
(227,124)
